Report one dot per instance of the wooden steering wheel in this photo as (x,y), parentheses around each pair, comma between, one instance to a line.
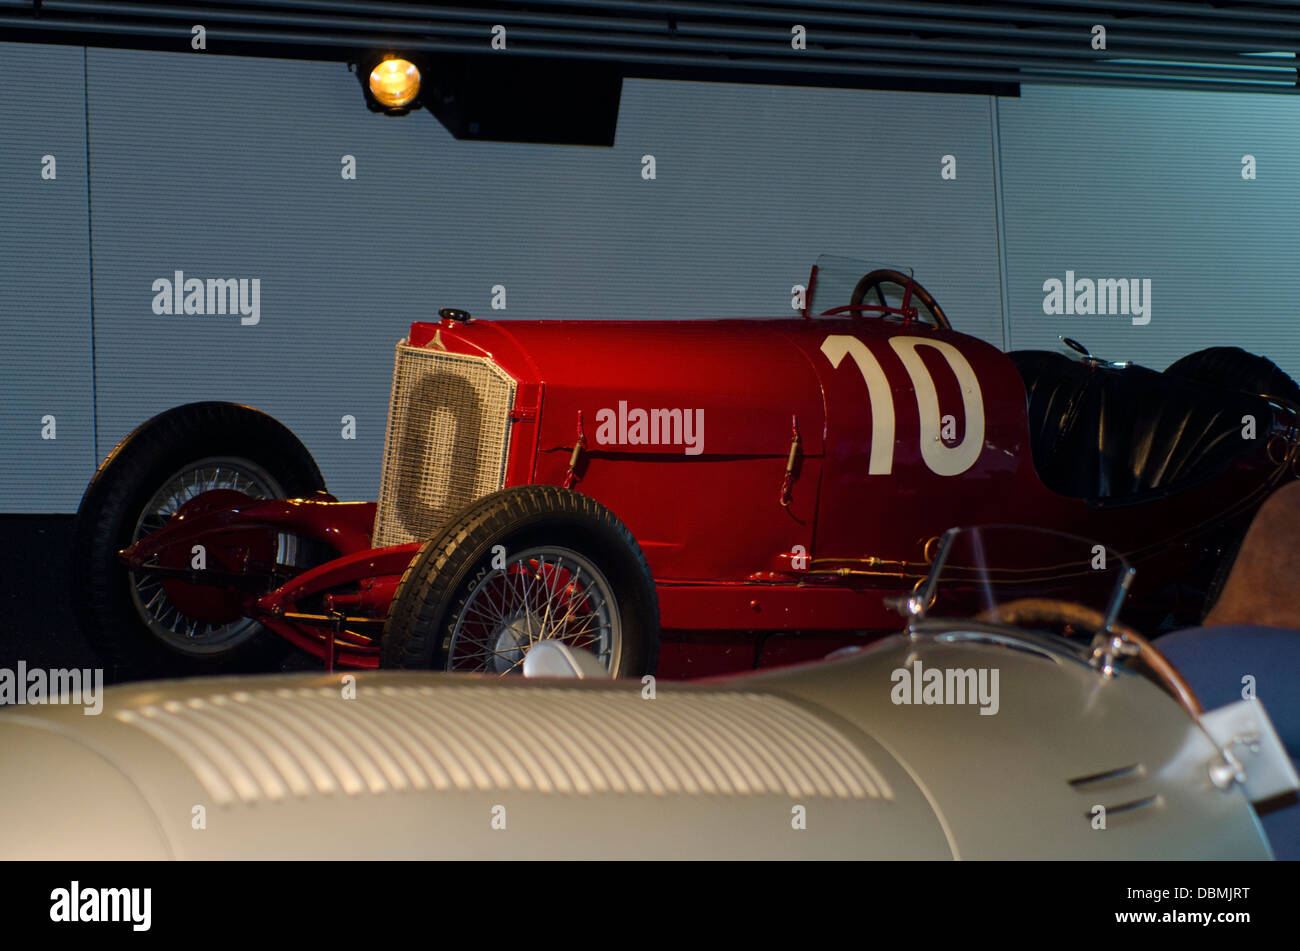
(1072,618)
(919,298)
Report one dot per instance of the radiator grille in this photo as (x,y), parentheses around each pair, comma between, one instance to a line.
(447,440)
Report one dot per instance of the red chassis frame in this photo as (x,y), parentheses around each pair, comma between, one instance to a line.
(345,630)
(725,571)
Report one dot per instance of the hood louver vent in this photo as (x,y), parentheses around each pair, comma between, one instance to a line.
(251,746)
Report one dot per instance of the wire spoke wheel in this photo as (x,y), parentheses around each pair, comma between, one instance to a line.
(148,593)
(154,623)
(523,565)
(543,593)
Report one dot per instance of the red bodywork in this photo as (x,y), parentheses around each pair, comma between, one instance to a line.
(779,540)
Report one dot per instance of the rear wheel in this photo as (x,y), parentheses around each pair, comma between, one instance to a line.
(146,625)
(518,567)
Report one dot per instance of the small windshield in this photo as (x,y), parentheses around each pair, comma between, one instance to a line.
(981,569)
(840,285)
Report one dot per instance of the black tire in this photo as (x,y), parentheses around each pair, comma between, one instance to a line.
(114,502)
(1235,369)
(433,592)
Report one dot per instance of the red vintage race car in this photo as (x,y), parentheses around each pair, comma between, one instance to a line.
(690,496)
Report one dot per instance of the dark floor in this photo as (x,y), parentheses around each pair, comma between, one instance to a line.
(36,620)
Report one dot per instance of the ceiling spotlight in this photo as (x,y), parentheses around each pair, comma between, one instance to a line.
(395,83)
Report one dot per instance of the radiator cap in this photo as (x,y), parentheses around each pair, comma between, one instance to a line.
(451,313)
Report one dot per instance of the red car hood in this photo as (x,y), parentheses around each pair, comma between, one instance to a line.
(745,380)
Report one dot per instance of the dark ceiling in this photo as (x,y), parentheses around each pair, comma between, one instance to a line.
(854,43)
(558,79)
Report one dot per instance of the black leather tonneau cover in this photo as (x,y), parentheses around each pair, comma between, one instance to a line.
(1101,432)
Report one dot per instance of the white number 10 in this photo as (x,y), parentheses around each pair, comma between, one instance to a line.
(941,459)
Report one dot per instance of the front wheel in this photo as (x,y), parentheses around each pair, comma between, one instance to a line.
(518,567)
